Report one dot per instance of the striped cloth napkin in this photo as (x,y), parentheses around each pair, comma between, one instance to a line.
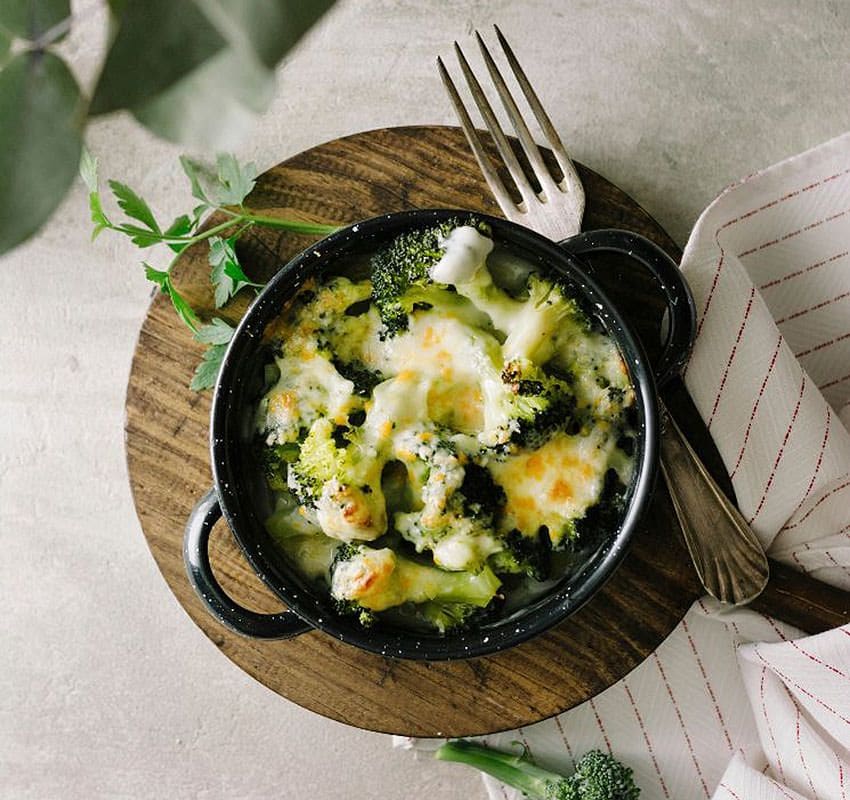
(733,704)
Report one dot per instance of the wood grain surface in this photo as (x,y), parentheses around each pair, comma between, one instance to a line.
(167,452)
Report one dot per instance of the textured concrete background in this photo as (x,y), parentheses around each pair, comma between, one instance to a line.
(106,687)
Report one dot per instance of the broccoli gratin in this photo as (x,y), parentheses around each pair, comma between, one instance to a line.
(442,430)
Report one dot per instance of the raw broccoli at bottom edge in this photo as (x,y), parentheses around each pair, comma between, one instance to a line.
(598,776)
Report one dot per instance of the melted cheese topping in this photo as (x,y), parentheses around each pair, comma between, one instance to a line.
(309,388)
(555,484)
(444,378)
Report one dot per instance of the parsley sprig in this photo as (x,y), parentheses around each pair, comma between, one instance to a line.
(222,187)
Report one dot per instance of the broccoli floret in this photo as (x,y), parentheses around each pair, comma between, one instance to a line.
(542,403)
(319,460)
(455,541)
(459,500)
(604,517)
(350,608)
(524,555)
(598,776)
(538,324)
(482,496)
(276,460)
(444,302)
(363,378)
(332,476)
(403,263)
(375,580)
(447,616)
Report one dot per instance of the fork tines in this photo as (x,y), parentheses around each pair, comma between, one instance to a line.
(566,192)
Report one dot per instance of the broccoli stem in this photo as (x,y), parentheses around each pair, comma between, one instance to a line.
(517,771)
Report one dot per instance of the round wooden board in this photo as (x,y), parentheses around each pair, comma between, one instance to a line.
(167,452)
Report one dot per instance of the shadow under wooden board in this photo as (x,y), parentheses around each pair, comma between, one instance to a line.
(167,452)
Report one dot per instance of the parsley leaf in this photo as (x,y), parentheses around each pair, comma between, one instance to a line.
(157,276)
(236,180)
(207,371)
(97,216)
(217,332)
(201,177)
(181,305)
(226,275)
(183,309)
(88,172)
(133,205)
(226,184)
(141,237)
(221,187)
(88,169)
(180,227)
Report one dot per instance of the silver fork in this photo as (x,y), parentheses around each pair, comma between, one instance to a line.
(555,211)
(728,557)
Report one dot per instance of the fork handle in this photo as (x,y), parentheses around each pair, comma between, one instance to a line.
(728,557)
(680,303)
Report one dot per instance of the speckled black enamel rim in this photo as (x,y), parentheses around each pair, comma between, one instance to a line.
(314,608)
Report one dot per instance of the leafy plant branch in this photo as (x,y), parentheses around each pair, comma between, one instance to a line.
(220,188)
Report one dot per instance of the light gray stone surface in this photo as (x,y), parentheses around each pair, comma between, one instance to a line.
(107,689)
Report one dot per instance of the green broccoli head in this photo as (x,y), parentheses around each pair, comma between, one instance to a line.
(448,616)
(364,379)
(539,323)
(276,460)
(538,404)
(404,263)
(459,499)
(524,555)
(349,606)
(319,460)
(332,477)
(443,301)
(600,776)
(378,579)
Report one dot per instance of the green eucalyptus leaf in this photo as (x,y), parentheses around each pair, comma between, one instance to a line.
(133,205)
(215,106)
(30,19)
(264,29)
(5,46)
(40,142)
(158,42)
